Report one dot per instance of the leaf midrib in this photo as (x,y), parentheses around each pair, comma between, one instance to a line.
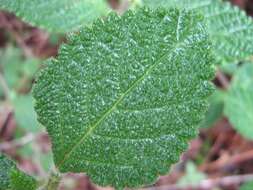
(110,110)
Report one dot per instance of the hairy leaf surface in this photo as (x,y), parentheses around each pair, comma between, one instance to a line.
(11,178)
(56,15)
(125,96)
(229,27)
(239,101)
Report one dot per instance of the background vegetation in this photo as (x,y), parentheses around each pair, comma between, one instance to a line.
(220,158)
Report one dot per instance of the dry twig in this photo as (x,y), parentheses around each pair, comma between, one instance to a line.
(231,161)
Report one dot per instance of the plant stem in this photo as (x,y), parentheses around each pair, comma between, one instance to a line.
(222,79)
(52,182)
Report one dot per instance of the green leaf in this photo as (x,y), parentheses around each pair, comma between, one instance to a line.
(125,91)
(6,166)
(229,27)
(247,186)
(21,181)
(30,67)
(192,178)
(16,69)
(239,101)
(10,59)
(56,15)
(24,112)
(11,178)
(229,69)
(215,109)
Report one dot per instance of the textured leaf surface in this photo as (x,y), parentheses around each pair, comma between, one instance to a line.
(6,166)
(124,97)
(229,27)
(239,101)
(56,15)
(21,181)
(12,178)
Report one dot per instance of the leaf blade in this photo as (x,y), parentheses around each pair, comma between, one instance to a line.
(109,95)
(12,178)
(57,15)
(239,101)
(229,27)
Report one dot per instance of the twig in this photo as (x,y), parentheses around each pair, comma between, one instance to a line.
(52,183)
(18,142)
(236,159)
(209,184)
(217,145)
(27,51)
(37,161)
(222,79)
(7,119)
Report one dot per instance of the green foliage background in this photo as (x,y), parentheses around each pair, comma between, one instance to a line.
(125,89)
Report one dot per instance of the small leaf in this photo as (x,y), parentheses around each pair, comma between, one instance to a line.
(239,101)
(24,112)
(192,178)
(229,27)
(124,97)
(10,59)
(247,186)
(215,109)
(16,69)
(56,15)
(30,67)
(11,178)
(229,69)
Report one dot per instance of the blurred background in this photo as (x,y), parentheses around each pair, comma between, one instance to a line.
(218,153)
